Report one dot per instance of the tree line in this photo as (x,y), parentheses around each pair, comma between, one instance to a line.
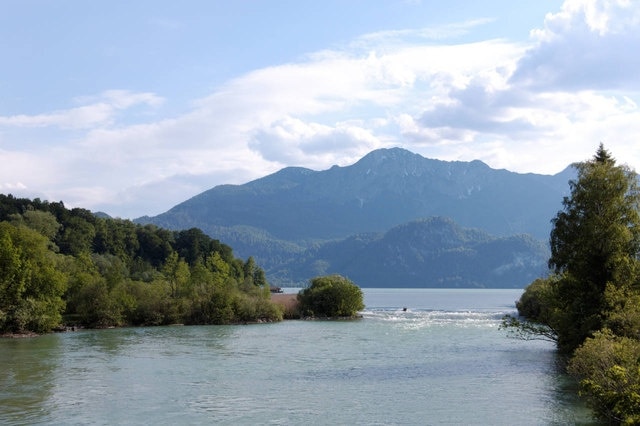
(589,305)
(70,266)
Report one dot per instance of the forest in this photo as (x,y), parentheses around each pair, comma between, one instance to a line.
(63,267)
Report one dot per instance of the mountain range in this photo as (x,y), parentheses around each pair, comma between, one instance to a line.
(393,219)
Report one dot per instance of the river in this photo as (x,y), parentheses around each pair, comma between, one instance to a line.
(442,361)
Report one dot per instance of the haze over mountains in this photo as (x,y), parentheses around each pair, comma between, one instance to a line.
(392,219)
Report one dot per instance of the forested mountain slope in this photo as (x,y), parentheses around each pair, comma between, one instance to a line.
(433,252)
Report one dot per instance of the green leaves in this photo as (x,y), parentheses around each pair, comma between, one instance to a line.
(102,272)
(594,242)
(609,373)
(331,296)
(31,286)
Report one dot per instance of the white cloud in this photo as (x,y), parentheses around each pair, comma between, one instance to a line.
(574,87)
(527,108)
(589,44)
(292,141)
(81,117)
(400,37)
(602,17)
(99,111)
(12,186)
(27,168)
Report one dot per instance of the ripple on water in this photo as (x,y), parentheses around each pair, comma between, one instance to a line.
(433,318)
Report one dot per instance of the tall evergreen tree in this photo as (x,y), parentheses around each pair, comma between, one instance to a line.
(595,242)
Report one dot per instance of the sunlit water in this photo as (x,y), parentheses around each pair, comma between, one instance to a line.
(443,361)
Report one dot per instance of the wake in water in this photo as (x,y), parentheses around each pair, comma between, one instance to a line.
(435,318)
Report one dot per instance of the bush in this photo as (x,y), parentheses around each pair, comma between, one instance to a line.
(331,296)
(608,368)
(537,300)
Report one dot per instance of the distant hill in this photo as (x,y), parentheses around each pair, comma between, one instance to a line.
(295,211)
(433,252)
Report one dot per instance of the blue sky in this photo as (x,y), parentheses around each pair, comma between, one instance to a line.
(132,107)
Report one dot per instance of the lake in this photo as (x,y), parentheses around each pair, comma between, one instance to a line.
(442,361)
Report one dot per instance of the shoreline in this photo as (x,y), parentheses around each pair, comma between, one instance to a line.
(18,335)
(288,301)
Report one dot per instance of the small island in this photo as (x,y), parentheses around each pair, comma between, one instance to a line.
(326,297)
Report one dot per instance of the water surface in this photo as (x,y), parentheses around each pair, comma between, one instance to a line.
(442,361)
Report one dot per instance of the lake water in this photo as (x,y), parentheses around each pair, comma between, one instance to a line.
(443,361)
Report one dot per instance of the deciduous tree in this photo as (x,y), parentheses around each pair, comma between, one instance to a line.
(331,296)
(31,286)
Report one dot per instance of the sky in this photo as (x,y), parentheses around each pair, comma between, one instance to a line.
(131,107)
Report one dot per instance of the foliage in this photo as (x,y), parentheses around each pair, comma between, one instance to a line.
(595,241)
(537,309)
(622,314)
(609,369)
(57,264)
(523,329)
(31,286)
(331,296)
(537,301)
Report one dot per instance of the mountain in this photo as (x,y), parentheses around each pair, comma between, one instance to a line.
(295,212)
(385,188)
(432,252)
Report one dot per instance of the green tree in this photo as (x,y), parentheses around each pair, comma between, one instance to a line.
(152,304)
(91,299)
(77,236)
(31,285)
(177,272)
(43,222)
(221,270)
(595,241)
(253,275)
(609,371)
(331,296)
(154,244)
(538,304)
(622,314)
(96,307)
(194,245)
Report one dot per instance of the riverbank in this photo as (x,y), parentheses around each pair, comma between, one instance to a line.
(17,335)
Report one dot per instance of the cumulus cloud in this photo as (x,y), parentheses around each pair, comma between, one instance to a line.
(479,108)
(292,141)
(588,45)
(576,83)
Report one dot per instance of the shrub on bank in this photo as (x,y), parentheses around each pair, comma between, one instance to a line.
(331,296)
